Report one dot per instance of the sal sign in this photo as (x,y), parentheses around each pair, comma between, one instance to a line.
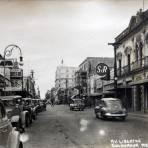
(102,69)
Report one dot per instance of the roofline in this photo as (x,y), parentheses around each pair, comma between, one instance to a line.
(94,58)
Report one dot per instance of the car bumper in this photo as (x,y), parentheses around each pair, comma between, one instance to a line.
(77,107)
(115,115)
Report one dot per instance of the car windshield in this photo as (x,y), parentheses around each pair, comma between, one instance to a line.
(77,101)
(114,104)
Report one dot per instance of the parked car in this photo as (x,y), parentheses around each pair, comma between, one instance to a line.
(14,109)
(76,104)
(36,106)
(44,104)
(9,136)
(28,105)
(110,108)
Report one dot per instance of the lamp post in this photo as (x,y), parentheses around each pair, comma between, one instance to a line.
(8,52)
(115,45)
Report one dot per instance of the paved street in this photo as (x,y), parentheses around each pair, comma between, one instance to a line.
(58,127)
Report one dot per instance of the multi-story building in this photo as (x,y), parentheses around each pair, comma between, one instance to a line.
(91,84)
(89,66)
(12,81)
(81,82)
(65,77)
(132,63)
(65,82)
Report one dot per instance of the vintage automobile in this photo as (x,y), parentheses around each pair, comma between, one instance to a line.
(42,104)
(9,136)
(76,104)
(28,105)
(110,108)
(14,109)
(36,106)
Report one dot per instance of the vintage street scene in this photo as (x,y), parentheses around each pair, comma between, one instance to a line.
(74,74)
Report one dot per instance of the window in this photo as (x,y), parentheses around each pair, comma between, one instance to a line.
(129,61)
(120,67)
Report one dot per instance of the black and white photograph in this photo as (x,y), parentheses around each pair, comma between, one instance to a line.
(73,73)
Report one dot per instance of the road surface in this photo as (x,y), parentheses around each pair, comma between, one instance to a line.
(58,127)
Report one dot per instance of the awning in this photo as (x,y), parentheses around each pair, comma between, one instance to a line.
(123,87)
(95,94)
(139,82)
(102,93)
(10,97)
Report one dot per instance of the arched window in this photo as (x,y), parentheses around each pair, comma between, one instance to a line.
(119,59)
(136,52)
(128,54)
(140,50)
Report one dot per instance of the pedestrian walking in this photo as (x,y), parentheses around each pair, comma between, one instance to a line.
(52,102)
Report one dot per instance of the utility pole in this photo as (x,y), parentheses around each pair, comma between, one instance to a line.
(115,45)
(66,90)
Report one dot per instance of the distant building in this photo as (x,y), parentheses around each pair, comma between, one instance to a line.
(89,66)
(65,77)
(65,82)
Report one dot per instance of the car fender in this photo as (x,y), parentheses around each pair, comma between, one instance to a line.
(14,139)
(23,116)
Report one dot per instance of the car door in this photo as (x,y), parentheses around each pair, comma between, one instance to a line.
(98,106)
(5,127)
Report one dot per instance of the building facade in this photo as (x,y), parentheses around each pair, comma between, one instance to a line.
(12,81)
(89,66)
(132,63)
(65,77)
(65,82)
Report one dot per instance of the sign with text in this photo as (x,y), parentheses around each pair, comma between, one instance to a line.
(7,63)
(16,73)
(102,69)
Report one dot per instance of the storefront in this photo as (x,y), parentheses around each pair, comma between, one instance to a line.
(140,92)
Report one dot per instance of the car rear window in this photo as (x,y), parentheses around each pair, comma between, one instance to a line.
(114,104)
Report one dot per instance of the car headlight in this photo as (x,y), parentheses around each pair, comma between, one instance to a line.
(105,109)
(124,110)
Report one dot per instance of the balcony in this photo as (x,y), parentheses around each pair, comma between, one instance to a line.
(135,66)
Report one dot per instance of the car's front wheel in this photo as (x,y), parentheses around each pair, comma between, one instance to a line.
(21,145)
(27,121)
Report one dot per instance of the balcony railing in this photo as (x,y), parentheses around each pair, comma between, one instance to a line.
(137,65)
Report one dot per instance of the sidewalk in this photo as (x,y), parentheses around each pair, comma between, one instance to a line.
(138,114)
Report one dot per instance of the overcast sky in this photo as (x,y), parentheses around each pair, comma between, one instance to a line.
(48,31)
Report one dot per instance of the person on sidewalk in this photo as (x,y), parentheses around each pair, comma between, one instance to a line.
(52,102)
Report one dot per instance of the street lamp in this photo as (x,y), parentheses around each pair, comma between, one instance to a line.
(8,52)
(115,45)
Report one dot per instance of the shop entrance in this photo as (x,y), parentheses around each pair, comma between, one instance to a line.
(138,97)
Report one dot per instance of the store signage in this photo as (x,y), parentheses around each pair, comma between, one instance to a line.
(6,63)
(138,77)
(102,69)
(16,73)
